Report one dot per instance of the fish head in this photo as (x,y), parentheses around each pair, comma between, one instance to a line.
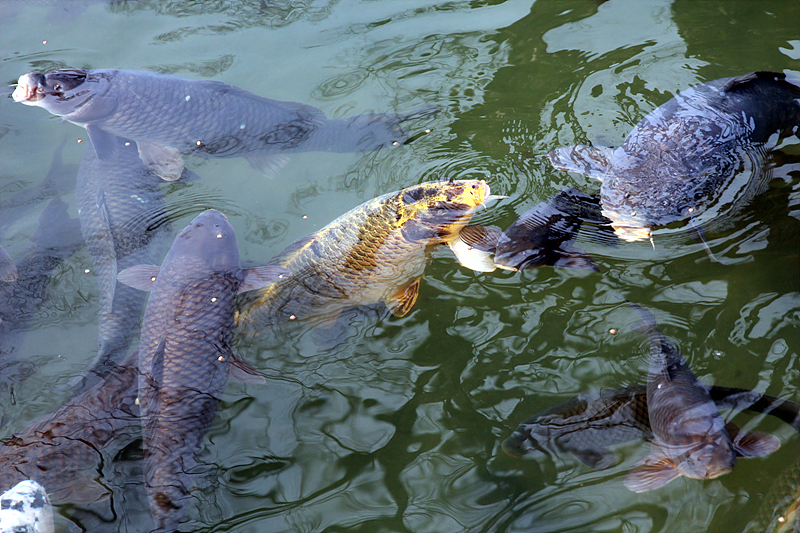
(61,92)
(707,460)
(209,240)
(437,211)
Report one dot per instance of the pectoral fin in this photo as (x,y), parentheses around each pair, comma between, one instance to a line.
(82,491)
(598,459)
(164,161)
(8,271)
(583,159)
(268,164)
(655,471)
(752,443)
(104,143)
(256,278)
(243,372)
(474,246)
(140,277)
(575,258)
(403,300)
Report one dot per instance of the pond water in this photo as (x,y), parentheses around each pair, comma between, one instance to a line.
(396,425)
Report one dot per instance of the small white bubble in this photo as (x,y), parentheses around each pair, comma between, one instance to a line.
(241,126)
(152,278)
(199,143)
(660,385)
(44,42)
(187,97)
(87,271)
(305,217)
(214,299)
(292,317)
(219,235)
(612,331)
(395,143)
(127,144)
(80,141)
(137,401)
(221,358)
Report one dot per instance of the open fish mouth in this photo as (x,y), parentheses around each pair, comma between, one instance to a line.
(30,88)
(633,233)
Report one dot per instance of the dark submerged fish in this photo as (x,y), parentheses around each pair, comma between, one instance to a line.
(690,437)
(185,352)
(169,115)
(780,512)
(57,237)
(685,155)
(541,236)
(60,450)
(124,223)
(588,424)
(373,253)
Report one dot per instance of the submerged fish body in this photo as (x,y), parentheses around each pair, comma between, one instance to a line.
(541,236)
(588,424)
(374,253)
(185,352)
(57,237)
(780,511)
(168,115)
(690,436)
(25,508)
(60,450)
(124,223)
(683,156)
(8,270)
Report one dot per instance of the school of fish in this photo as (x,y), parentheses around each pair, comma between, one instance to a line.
(682,160)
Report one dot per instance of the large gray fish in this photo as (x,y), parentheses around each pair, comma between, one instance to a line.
(124,223)
(57,237)
(690,437)
(169,115)
(60,450)
(541,236)
(185,352)
(685,155)
(588,424)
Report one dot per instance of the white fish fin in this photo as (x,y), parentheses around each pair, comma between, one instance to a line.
(752,443)
(404,299)
(8,270)
(140,277)
(268,164)
(472,257)
(256,278)
(243,372)
(575,258)
(655,471)
(104,143)
(583,159)
(164,161)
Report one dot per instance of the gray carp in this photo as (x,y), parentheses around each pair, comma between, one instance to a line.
(685,155)
(589,423)
(168,115)
(124,223)
(690,436)
(541,236)
(185,352)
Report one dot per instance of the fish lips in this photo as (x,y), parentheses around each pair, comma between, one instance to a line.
(30,88)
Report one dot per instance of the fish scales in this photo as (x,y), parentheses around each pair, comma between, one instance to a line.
(185,352)
(58,450)
(124,223)
(365,256)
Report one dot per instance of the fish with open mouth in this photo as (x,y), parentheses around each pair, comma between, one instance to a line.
(185,352)
(167,116)
(373,253)
(686,155)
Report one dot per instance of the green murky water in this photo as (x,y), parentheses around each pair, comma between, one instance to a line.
(396,424)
